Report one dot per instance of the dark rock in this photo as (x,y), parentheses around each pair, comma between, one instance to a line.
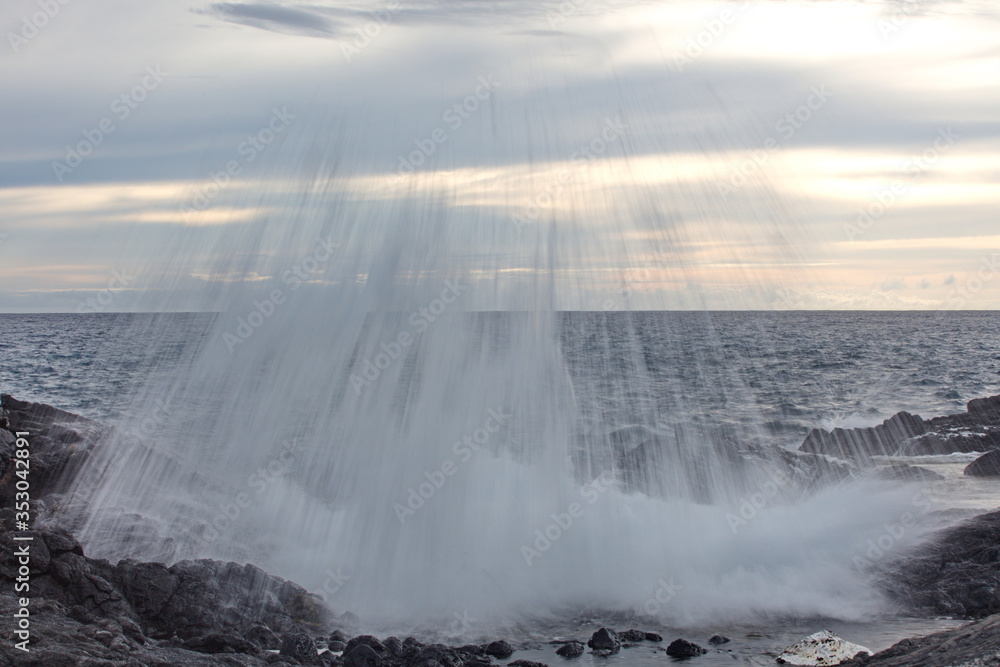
(81,615)
(499,649)
(571,650)
(362,655)
(526,663)
(301,647)
(219,643)
(719,639)
(263,637)
(973,645)
(393,646)
(436,655)
(633,636)
(605,639)
(956,572)
(862,443)
(908,473)
(366,640)
(653,637)
(987,465)
(681,648)
(988,407)
(941,443)
(337,647)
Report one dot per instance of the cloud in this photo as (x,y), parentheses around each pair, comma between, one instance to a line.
(276,18)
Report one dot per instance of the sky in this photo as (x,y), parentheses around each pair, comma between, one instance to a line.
(685,155)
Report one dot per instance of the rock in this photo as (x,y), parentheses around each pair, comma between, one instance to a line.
(219,643)
(526,663)
(653,637)
(336,647)
(301,647)
(570,650)
(987,465)
(908,473)
(820,648)
(681,648)
(366,640)
(719,639)
(393,646)
(436,655)
(499,649)
(973,645)
(985,407)
(263,637)
(362,655)
(605,639)
(633,636)
(863,443)
(956,572)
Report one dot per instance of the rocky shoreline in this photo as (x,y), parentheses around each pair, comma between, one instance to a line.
(87,611)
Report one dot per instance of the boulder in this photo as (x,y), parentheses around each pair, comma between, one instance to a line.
(633,636)
(362,655)
(682,648)
(499,649)
(987,408)
(987,465)
(973,645)
(570,650)
(300,647)
(719,639)
(653,637)
(605,639)
(821,648)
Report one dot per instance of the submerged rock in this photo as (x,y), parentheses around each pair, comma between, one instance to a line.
(633,636)
(820,649)
(908,473)
(987,465)
(682,648)
(570,650)
(719,639)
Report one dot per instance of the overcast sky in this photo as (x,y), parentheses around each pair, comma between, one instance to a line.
(635,154)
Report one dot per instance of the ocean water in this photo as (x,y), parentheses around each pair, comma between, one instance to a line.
(775,374)
(609,382)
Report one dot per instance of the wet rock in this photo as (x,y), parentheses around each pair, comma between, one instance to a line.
(526,663)
(863,443)
(570,650)
(954,573)
(987,408)
(605,639)
(263,637)
(499,649)
(393,646)
(973,645)
(820,649)
(362,655)
(682,648)
(436,655)
(366,640)
(300,647)
(219,643)
(719,639)
(633,636)
(987,465)
(653,637)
